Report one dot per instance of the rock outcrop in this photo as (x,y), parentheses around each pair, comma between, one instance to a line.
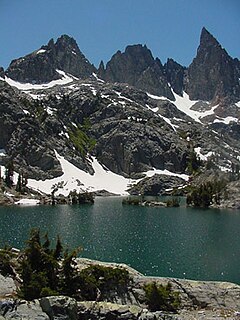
(157,185)
(1,72)
(175,75)
(198,300)
(42,65)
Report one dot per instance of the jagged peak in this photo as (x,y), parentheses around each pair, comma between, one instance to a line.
(207,39)
(139,49)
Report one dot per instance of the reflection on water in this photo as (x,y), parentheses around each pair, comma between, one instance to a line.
(178,242)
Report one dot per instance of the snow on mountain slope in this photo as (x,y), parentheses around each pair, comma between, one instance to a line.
(29,86)
(185,105)
(79,180)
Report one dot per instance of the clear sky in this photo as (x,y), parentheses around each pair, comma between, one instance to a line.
(170,28)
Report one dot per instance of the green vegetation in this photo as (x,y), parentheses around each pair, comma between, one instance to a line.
(97,281)
(48,271)
(160,297)
(193,162)
(140,201)
(173,202)
(9,174)
(80,139)
(81,198)
(132,201)
(206,193)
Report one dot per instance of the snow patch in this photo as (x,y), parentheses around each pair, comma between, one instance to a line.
(96,77)
(184,104)
(154,171)
(203,157)
(2,153)
(226,120)
(28,202)
(79,180)
(29,86)
(74,178)
(156,97)
(40,51)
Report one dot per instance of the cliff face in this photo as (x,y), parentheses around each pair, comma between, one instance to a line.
(213,74)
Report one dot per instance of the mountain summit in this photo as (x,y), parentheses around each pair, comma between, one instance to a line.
(213,74)
(137,67)
(41,66)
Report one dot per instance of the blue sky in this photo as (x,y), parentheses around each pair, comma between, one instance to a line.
(170,28)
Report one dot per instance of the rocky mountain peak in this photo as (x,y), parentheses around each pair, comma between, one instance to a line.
(137,67)
(213,73)
(207,39)
(41,66)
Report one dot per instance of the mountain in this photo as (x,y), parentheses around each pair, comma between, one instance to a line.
(213,74)
(61,119)
(137,67)
(42,65)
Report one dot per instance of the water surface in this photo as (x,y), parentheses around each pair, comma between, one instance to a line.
(177,242)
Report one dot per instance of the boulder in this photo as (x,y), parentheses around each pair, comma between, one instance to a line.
(27,311)
(59,307)
(7,286)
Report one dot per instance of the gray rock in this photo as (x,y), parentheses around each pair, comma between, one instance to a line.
(175,75)
(137,67)
(28,311)
(7,286)
(41,65)
(60,308)
(213,74)
(157,185)
(1,72)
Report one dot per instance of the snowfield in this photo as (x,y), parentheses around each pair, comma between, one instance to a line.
(79,180)
(29,86)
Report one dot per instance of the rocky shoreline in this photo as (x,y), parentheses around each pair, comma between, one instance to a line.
(199,300)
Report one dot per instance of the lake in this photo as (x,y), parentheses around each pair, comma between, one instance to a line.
(177,242)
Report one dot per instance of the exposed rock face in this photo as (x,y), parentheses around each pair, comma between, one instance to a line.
(175,75)
(230,196)
(7,286)
(1,72)
(41,65)
(213,74)
(59,308)
(22,136)
(137,67)
(156,185)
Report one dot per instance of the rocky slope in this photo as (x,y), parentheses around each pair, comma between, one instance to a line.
(139,118)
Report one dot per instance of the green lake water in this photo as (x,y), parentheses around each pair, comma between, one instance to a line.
(176,242)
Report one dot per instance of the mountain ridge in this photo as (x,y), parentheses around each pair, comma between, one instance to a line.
(128,128)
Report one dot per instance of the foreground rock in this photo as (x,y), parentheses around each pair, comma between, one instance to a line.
(199,300)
